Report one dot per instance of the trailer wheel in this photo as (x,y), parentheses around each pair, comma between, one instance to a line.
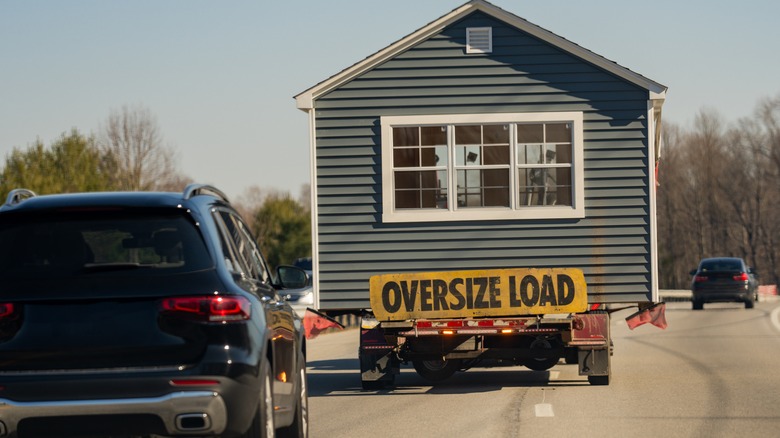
(436,370)
(541,363)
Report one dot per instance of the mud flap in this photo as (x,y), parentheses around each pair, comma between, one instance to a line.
(593,336)
(378,362)
(595,363)
(378,370)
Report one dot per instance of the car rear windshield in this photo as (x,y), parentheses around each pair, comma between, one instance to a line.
(721,265)
(101,243)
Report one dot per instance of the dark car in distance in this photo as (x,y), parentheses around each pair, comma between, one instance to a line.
(724,279)
(143,314)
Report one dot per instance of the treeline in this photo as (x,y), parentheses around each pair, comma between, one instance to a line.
(128,154)
(719,194)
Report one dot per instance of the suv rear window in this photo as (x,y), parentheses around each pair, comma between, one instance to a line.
(63,244)
(721,265)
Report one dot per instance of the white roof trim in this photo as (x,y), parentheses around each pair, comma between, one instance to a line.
(305,100)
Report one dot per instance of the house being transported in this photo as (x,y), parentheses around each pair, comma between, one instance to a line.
(482,141)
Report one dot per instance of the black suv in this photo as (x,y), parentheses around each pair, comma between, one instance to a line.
(143,314)
(724,279)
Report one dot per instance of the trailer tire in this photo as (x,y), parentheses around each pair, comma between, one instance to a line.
(541,363)
(436,370)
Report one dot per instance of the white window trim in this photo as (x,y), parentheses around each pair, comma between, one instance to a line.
(575,211)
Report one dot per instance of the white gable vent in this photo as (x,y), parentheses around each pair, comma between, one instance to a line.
(479,39)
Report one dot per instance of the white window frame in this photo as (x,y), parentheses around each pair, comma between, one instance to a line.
(515,211)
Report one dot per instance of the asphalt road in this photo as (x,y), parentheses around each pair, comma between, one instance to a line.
(711,373)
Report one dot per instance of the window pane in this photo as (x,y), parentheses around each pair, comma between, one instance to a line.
(545,186)
(469,134)
(497,197)
(529,154)
(433,135)
(468,179)
(407,199)
(496,134)
(434,156)
(442,156)
(563,187)
(407,180)
(468,155)
(530,133)
(549,154)
(408,136)
(563,153)
(495,155)
(495,178)
(426,189)
(558,133)
(406,157)
(481,188)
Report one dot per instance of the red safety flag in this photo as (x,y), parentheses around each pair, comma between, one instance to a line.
(655,314)
(315,323)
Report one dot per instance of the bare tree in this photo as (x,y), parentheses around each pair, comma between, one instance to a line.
(768,114)
(719,194)
(135,152)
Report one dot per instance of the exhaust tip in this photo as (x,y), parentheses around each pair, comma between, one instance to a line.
(193,422)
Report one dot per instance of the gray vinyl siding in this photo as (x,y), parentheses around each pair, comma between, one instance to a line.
(611,244)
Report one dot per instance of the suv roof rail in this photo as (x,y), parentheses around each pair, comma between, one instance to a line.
(18,195)
(203,189)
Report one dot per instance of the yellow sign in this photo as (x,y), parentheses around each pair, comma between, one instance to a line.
(492,292)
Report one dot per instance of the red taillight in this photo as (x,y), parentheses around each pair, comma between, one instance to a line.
(741,277)
(700,278)
(209,308)
(6,310)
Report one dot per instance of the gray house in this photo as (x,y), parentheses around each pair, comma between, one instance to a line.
(483,141)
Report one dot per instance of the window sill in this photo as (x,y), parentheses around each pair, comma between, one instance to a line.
(484,214)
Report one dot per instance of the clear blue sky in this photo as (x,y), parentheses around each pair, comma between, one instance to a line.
(220,76)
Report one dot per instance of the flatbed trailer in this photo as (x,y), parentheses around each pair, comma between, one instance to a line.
(438,348)
(443,322)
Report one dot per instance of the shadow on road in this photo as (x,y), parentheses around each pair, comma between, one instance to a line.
(341,377)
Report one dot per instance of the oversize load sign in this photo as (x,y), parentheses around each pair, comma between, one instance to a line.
(495,292)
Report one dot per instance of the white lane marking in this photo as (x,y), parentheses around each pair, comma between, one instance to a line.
(776,318)
(554,375)
(544,410)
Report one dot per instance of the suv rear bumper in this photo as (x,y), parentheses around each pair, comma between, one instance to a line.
(713,296)
(184,412)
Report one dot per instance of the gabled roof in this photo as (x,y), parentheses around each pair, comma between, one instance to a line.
(305,100)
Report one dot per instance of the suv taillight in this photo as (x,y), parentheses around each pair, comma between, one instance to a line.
(6,310)
(741,277)
(209,308)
